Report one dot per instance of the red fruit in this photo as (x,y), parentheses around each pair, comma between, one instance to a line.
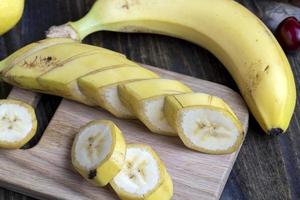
(288,34)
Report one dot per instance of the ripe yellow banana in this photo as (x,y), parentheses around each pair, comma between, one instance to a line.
(10,13)
(232,33)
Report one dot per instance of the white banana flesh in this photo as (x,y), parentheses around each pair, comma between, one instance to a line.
(143,176)
(18,124)
(93,146)
(204,123)
(98,152)
(209,129)
(140,173)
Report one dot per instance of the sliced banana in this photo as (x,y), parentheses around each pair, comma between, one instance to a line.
(18,124)
(60,81)
(98,151)
(101,86)
(204,123)
(143,176)
(146,99)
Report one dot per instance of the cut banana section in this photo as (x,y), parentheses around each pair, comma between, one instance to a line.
(60,81)
(53,66)
(143,176)
(18,124)
(146,99)
(101,86)
(204,123)
(98,152)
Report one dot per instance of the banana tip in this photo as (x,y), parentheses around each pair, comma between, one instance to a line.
(275,131)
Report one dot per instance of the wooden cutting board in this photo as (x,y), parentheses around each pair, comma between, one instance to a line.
(45,171)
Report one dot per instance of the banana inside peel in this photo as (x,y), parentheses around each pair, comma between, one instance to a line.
(204,123)
(145,98)
(102,86)
(18,124)
(101,156)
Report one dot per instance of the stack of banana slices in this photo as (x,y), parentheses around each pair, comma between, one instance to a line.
(100,77)
(134,171)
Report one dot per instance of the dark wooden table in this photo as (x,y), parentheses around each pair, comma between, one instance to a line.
(267,167)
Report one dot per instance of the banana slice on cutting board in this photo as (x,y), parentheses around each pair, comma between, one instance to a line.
(63,80)
(204,123)
(146,99)
(101,86)
(18,124)
(98,152)
(143,176)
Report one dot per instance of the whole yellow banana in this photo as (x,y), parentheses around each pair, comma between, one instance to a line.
(231,32)
(10,13)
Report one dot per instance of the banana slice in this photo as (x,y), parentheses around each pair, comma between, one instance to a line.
(143,176)
(146,99)
(204,123)
(26,51)
(101,86)
(98,152)
(18,124)
(61,82)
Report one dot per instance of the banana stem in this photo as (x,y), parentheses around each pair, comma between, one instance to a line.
(85,26)
(78,30)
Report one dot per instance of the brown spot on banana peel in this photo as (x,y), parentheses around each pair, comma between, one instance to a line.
(129,3)
(45,65)
(24,56)
(256,77)
(42,63)
(92,174)
(266,70)
(126,5)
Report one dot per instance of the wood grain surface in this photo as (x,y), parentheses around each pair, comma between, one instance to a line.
(45,171)
(266,168)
